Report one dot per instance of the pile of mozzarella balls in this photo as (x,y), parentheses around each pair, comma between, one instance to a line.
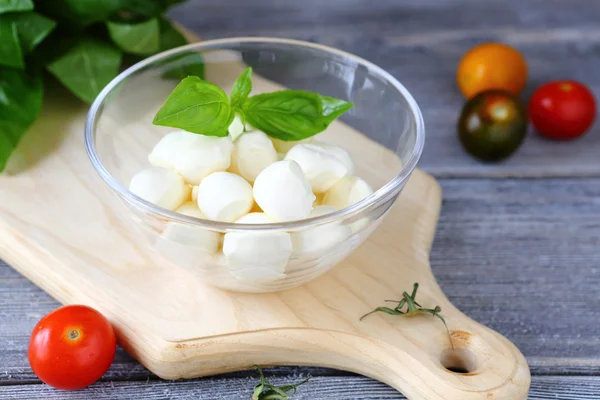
(248,178)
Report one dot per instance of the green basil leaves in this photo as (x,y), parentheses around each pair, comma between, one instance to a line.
(241,88)
(200,107)
(15,5)
(96,63)
(142,38)
(20,103)
(197,106)
(291,114)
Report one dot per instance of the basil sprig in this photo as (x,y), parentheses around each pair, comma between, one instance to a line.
(83,44)
(197,106)
(201,107)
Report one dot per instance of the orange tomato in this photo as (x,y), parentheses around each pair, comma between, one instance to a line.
(491,66)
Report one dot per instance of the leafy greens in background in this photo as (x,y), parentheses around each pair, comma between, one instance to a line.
(81,43)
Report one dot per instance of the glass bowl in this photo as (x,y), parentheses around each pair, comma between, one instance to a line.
(383,133)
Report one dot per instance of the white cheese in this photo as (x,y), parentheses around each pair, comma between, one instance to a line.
(193,237)
(347,191)
(341,154)
(160,186)
(193,156)
(166,150)
(236,128)
(283,146)
(319,238)
(282,191)
(252,152)
(321,167)
(223,196)
(257,256)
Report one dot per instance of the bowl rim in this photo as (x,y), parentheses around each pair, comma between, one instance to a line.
(375,198)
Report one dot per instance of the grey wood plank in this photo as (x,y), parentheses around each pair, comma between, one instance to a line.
(421,42)
(339,388)
(518,255)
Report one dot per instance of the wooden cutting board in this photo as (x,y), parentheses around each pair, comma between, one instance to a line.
(61,228)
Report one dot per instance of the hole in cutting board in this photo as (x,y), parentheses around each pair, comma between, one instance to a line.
(459,360)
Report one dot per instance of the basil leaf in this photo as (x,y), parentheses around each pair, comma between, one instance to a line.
(241,88)
(87,67)
(79,13)
(334,108)
(197,106)
(169,36)
(183,65)
(144,8)
(10,48)
(15,5)
(32,28)
(20,104)
(141,38)
(292,115)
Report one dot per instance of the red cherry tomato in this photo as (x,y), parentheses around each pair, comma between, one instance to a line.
(562,109)
(72,347)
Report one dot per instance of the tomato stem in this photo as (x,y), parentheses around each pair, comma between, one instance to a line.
(73,334)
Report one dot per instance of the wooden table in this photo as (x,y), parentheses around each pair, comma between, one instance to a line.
(518,243)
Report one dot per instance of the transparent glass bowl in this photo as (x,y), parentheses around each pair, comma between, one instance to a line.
(119,135)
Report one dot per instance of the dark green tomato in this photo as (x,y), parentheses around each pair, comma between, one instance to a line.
(492,125)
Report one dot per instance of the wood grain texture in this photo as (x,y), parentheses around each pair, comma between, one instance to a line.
(421,42)
(332,388)
(413,39)
(179,327)
(501,254)
(161,315)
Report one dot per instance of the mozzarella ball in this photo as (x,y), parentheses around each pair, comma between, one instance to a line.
(236,128)
(195,194)
(341,154)
(282,191)
(255,218)
(160,186)
(257,256)
(203,156)
(252,152)
(283,146)
(192,156)
(193,236)
(223,196)
(167,149)
(321,237)
(347,191)
(321,167)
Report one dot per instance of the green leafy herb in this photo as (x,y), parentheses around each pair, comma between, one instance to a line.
(20,103)
(288,115)
(334,108)
(241,88)
(15,5)
(87,67)
(142,9)
(83,43)
(140,38)
(169,36)
(264,390)
(184,65)
(292,115)
(10,48)
(32,28)
(79,13)
(197,106)
(412,308)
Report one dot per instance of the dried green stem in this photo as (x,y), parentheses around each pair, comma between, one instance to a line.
(264,390)
(412,308)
